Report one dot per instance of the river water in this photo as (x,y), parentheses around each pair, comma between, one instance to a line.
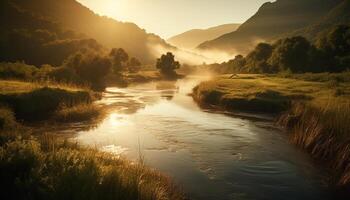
(214,156)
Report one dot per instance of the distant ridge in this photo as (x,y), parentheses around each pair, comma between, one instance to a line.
(272,20)
(107,31)
(192,38)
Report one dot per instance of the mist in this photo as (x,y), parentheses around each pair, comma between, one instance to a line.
(193,57)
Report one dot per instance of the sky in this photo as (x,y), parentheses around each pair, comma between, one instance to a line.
(167,18)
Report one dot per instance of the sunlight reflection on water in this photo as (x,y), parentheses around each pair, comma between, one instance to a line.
(228,157)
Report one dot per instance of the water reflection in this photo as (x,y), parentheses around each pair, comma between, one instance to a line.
(227,157)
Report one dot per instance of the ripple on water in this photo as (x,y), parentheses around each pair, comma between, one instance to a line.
(214,156)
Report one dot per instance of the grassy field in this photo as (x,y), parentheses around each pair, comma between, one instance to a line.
(46,168)
(314,108)
(33,101)
(260,93)
(41,166)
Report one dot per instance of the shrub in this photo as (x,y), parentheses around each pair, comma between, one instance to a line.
(323,130)
(42,103)
(78,113)
(7,119)
(167,64)
(91,67)
(17,70)
(28,171)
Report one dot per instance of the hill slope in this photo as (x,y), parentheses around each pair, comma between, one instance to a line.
(338,15)
(109,32)
(36,40)
(192,38)
(271,20)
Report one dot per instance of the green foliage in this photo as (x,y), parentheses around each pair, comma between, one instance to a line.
(323,130)
(17,70)
(65,74)
(134,65)
(291,53)
(167,64)
(41,103)
(48,169)
(36,39)
(7,119)
(336,41)
(77,113)
(335,45)
(256,61)
(91,67)
(119,58)
(331,53)
(235,65)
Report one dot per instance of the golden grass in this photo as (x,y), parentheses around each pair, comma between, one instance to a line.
(323,131)
(15,86)
(78,113)
(39,100)
(318,114)
(46,168)
(250,86)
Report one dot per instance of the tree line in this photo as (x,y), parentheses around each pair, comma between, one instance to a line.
(330,53)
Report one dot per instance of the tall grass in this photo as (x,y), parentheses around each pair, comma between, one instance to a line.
(46,168)
(324,131)
(78,113)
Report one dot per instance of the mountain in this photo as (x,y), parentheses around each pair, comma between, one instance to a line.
(192,38)
(271,20)
(109,32)
(28,37)
(340,14)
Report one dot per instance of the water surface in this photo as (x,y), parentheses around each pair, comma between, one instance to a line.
(212,155)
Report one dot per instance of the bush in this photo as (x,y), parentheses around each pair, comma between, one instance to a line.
(65,74)
(167,64)
(78,113)
(7,119)
(91,67)
(17,70)
(28,171)
(42,103)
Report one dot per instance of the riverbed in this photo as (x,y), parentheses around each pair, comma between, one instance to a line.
(211,155)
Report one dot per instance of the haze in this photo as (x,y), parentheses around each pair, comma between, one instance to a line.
(167,18)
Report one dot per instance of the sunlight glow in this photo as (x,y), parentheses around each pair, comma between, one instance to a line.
(118,120)
(167,18)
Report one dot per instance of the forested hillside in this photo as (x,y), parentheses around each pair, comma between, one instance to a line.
(192,38)
(272,20)
(109,32)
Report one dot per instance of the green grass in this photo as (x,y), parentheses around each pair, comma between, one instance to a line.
(17,70)
(39,101)
(259,93)
(314,108)
(324,132)
(78,113)
(45,168)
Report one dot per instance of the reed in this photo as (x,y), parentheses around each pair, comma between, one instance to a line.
(323,131)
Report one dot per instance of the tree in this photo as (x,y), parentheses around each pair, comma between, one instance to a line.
(291,53)
(256,61)
(335,48)
(90,67)
(134,65)
(118,57)
(335,42)
(236,65)
(167,64)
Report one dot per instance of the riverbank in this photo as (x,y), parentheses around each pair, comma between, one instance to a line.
(41,166)
(315,109)
(139,78)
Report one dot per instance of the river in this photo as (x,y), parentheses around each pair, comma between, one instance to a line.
(212,155)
